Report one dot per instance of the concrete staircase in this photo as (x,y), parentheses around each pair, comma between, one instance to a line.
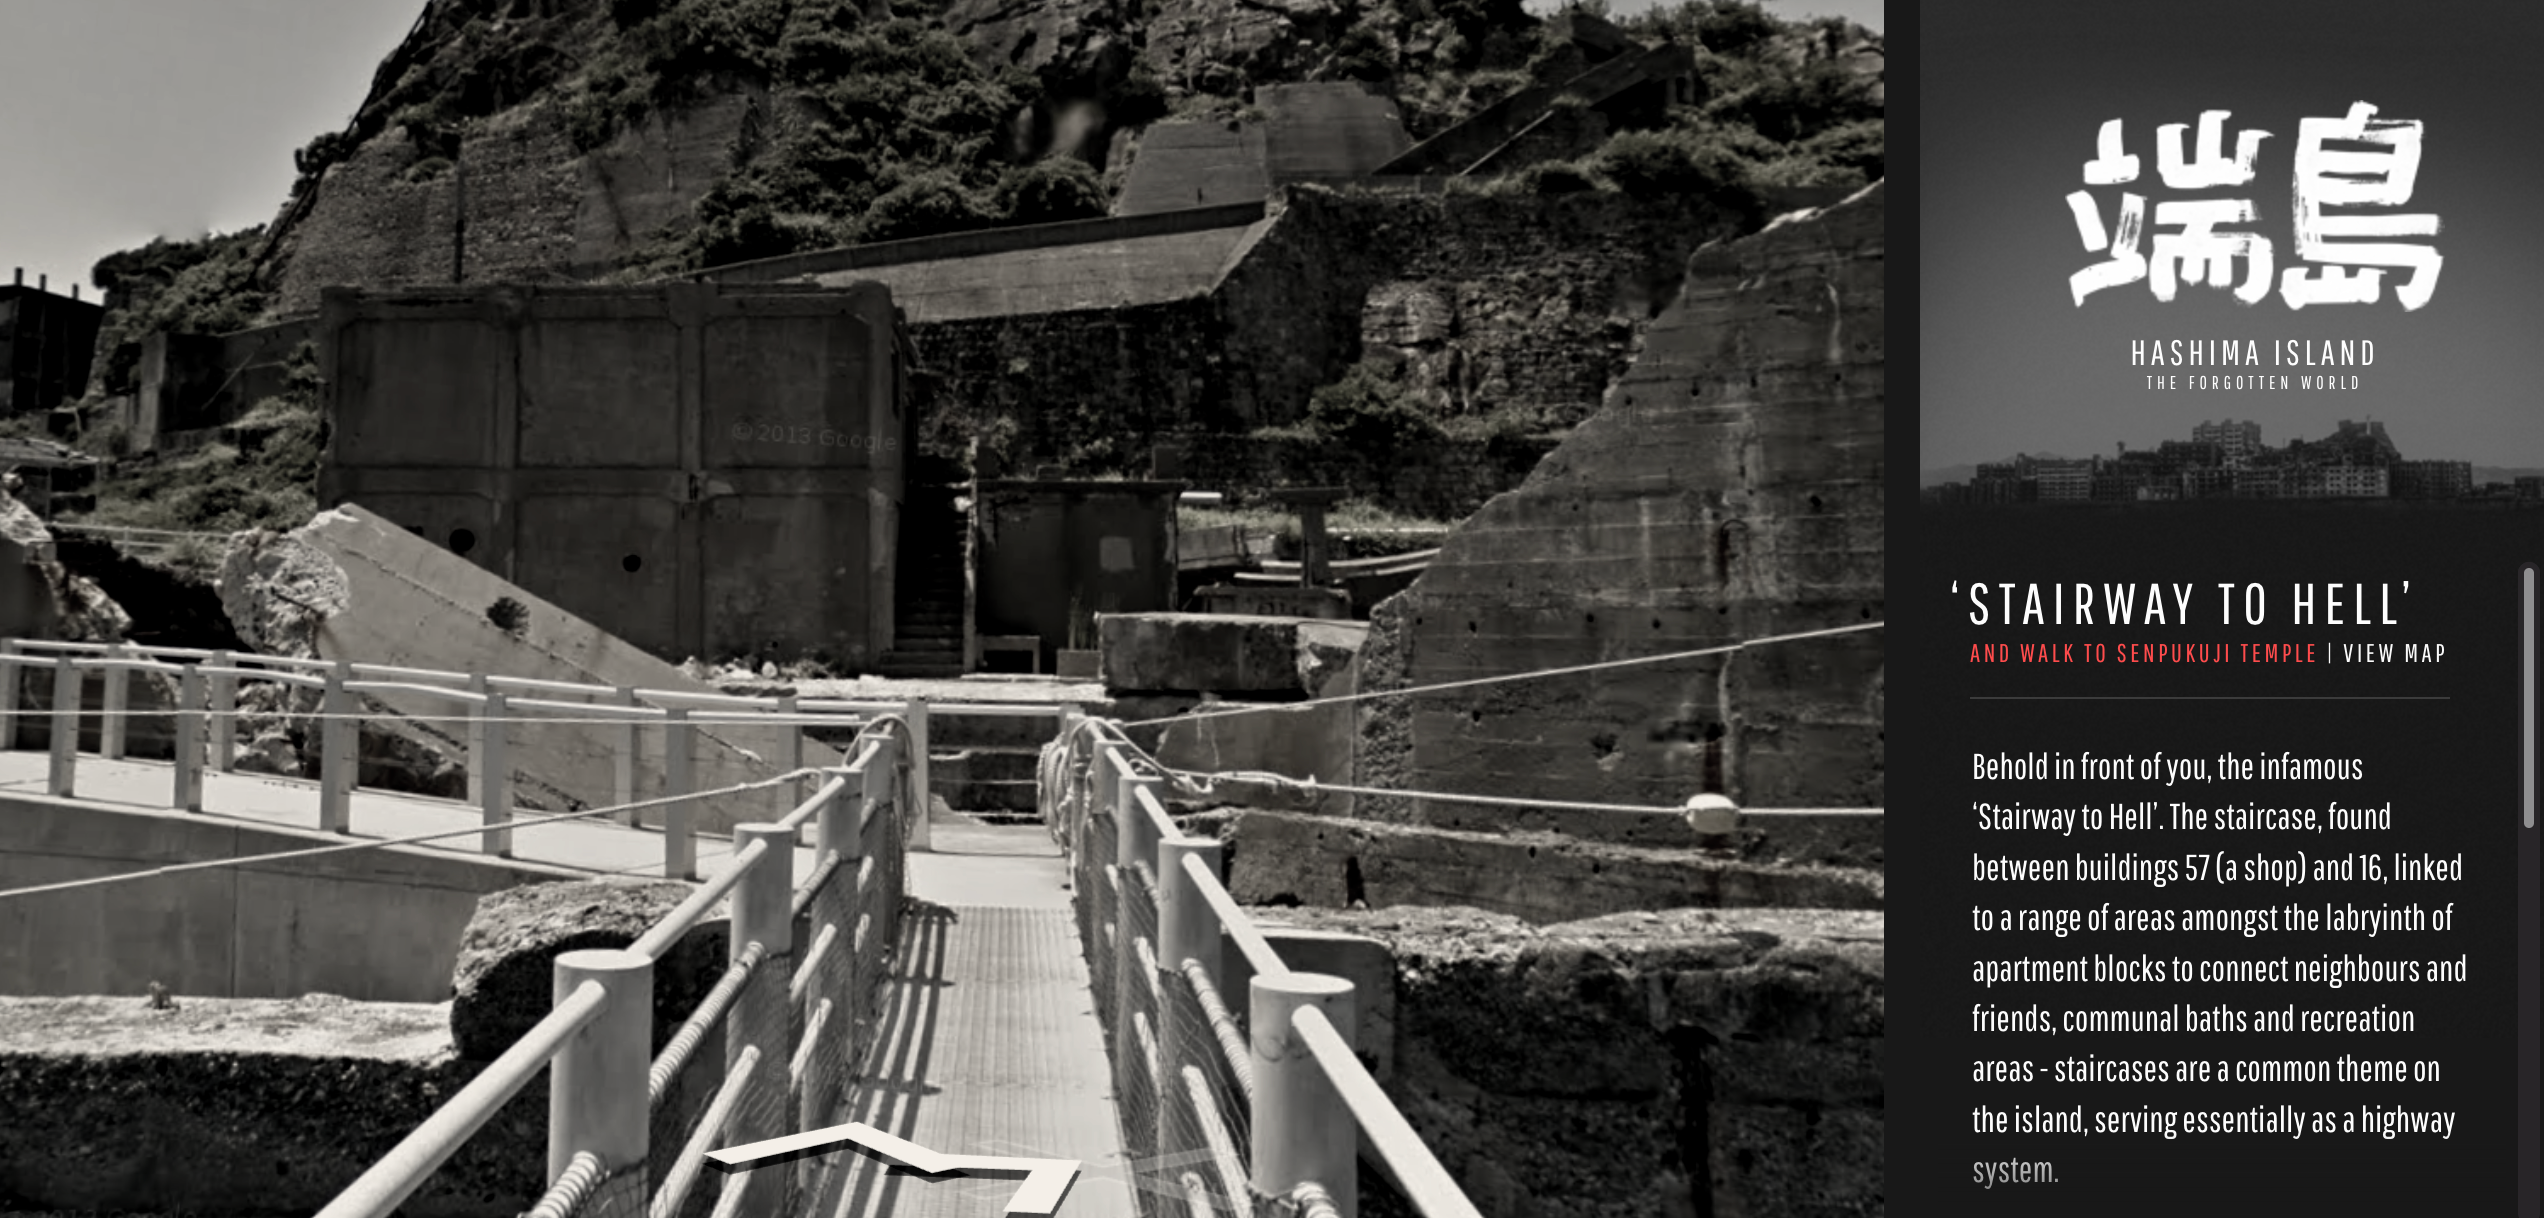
(979,764)
(928,601)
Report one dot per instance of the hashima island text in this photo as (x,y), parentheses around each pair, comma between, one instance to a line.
(2246,356)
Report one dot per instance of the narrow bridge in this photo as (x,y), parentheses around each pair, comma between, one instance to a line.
(1083,990)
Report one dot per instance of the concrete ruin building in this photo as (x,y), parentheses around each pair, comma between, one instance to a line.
(46,341)
(697,471)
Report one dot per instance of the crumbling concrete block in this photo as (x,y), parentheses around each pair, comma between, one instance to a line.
(504,982)
(407,602)
(1221,653)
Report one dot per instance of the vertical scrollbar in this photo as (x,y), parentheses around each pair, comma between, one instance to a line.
(2530,1037)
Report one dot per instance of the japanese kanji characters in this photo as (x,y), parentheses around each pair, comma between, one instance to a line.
(2201,240)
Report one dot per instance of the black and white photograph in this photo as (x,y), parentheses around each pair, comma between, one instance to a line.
(904,608)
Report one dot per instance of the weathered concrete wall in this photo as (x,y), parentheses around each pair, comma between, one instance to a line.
(520,203)
(1309,132)
(1687,1062)
(1048,549)
(1730,490)
(640,456)
(378,925)
(413,604)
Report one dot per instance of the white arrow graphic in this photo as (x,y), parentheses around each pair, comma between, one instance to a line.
(1046,1180)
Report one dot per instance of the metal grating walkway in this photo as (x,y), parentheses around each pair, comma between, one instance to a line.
(989,1043)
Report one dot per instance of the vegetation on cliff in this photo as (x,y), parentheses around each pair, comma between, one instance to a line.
(204,286)
(263,476)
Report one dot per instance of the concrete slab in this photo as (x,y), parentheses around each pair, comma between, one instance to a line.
(414,604)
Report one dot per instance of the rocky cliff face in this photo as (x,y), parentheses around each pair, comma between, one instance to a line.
(1729,489)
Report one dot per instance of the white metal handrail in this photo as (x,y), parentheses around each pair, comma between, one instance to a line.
(1310,1096)
(598,1117)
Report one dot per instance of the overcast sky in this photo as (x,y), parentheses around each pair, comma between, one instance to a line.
(123,120)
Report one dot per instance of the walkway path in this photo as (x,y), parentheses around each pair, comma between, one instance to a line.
(990,1043)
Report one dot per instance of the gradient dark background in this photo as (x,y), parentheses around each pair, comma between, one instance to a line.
(1996,107)
(2014,97)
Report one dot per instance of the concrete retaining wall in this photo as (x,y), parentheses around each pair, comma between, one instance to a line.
(379,925)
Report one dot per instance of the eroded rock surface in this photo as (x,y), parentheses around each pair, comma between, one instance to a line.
(241,1106)
(277,588)
(1673,1063)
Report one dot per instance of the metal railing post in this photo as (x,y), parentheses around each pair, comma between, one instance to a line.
(597,1083)
(630,748)
(921,789)
(680,777)
(224,728)
(494,760)
(1187,930)
(477,738)
(60,771)
(116,696)
(836,832)
(1133,845)
(188,793)
(791,748)
(763,913)
(336,765)
(1303,1132)
(9,676)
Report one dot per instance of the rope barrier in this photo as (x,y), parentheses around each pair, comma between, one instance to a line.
(1531,675)
(1310,787)
(726,719)
(411,839)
